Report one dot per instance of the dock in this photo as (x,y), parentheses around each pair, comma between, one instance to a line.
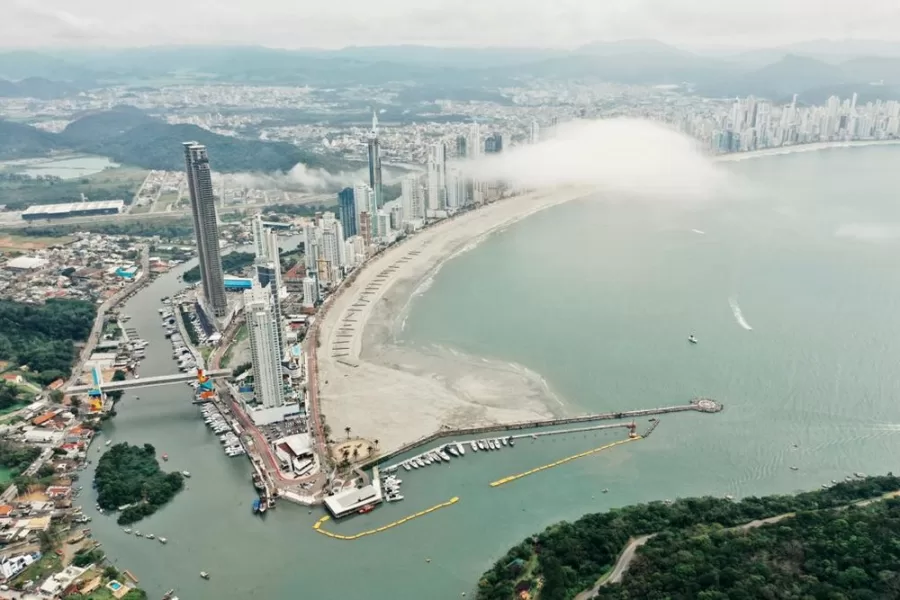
(700,404)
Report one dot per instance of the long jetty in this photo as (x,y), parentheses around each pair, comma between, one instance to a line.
(703,405)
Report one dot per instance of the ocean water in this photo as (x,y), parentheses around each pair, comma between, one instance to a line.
(792,289)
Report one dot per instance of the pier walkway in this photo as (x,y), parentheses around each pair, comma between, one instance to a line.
(148,381)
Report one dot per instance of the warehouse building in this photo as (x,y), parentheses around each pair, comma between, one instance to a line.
(74,209)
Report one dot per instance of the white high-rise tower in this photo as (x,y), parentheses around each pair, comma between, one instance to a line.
(265,347)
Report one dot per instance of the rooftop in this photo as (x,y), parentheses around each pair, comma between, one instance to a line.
(53,209)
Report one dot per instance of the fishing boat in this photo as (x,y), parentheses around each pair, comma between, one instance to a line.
(165,457)
(204,575)
(256,505)
(692,339)
(366,509)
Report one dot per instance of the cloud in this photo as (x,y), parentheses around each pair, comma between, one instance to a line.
(624,157)
(562,23)
(302,179)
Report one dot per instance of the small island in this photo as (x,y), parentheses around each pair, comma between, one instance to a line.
(128,478)
(832,543)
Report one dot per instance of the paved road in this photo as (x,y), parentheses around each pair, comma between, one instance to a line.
(109,304)
(627,555)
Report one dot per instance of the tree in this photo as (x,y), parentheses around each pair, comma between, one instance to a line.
(347,431)
(56,396)
(111,572)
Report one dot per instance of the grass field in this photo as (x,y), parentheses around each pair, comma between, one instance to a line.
(23,243)
(165,201)
(112,184)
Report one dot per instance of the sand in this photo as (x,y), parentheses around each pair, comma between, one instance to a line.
(383,390)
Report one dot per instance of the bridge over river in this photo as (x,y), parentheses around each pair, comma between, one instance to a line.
(147,382)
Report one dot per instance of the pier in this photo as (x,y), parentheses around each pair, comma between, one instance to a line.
(702,405)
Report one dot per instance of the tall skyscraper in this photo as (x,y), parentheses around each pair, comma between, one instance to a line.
(265,348)
(347,208)
(493,144)
(206,229)
(535,132)
(268,270)
(461,146)
(473,145)
(375,163)
(437,176)
(411,199)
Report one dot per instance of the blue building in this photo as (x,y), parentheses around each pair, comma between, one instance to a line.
(347,211)
(237,283)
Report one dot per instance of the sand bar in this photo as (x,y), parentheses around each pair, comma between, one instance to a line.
(395,394)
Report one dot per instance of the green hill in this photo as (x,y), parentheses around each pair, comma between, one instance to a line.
(130,136)
(832,550)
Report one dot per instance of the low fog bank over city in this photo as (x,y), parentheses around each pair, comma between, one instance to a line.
(632,157)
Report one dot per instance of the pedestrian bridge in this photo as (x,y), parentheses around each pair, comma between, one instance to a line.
(128,384)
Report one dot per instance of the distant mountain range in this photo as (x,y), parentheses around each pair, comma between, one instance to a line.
(812,69)
(129,136)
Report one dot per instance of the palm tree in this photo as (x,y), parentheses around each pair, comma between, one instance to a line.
(355,453)
(347,430)
(376,443)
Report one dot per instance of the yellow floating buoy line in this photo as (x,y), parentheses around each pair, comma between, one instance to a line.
(562,461)
(337,536)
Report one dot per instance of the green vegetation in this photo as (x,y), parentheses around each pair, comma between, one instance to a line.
(570,557)
(239,336)
(300,210)
(232,263)
(15,458)
(130,475)
(13,397)
(241,369)
(87,557)
(116,395)
(42,336)
(48,564)
(129,136)
(164,227)
(20,191)
(850,553)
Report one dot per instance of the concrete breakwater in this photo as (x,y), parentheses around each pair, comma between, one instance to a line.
(704,405)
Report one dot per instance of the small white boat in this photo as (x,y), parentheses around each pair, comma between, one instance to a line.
(491,445)
(186,474)
(204,575)
(406,466)
(481,445)
(473,446)
(163,540)
(149,536)
(692,339)
(435,457)
(127,530)
(460,449)
(452,451)
(504,441)
(108,442)
(414,464)
(444,456)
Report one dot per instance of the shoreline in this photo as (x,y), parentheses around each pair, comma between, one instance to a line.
(396,394)
(797,148)
(391,392)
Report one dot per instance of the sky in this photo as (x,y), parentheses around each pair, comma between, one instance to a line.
(534,23)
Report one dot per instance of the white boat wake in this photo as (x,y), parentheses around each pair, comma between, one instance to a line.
(699,232)
(738,315)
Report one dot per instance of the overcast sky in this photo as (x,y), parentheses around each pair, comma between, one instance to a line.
(338,23)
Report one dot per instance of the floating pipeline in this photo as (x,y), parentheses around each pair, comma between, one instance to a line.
(337,536)
(562,461)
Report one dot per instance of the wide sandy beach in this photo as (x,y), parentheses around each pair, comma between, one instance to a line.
(396,394)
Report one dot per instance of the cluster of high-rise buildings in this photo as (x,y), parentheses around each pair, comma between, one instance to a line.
(369,219)
(274,363)
(754,124)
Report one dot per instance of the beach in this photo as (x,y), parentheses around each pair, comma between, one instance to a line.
(796,148)
(395,394)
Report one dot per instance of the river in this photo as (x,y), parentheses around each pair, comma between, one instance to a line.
(599,299)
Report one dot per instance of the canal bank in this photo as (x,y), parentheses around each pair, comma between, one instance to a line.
(210,526)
